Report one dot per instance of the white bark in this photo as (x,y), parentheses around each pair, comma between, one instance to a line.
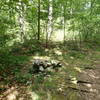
(49,31)
(21,8)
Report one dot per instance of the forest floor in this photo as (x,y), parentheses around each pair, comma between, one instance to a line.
(78,79)
(91,83)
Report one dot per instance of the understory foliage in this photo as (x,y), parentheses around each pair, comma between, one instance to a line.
(20,20)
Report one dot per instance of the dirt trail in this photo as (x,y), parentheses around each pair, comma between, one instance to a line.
(90,81)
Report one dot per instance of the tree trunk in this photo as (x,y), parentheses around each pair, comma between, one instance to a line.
(49,31)
(64,24)
(38,20)
(21,21)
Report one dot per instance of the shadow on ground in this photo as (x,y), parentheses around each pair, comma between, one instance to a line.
(16,83)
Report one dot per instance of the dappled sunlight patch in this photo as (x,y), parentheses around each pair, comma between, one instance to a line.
(34,95)
(60,89)
(58,52)
(41,57)
(21,98)
(71,57)
(65,63)
(49,97)
(11,94)
(16,92)
(78,69)
(74,80)
(58,36)
(93,90)
(93,76)
(46,50)
(88,85)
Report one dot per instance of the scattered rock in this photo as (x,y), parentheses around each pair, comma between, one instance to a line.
(40,65)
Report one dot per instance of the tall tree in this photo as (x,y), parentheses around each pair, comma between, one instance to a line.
(50,18)
(38,20)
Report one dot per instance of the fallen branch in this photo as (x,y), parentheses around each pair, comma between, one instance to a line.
(80,90)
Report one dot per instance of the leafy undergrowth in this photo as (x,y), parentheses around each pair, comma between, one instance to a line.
(16,81)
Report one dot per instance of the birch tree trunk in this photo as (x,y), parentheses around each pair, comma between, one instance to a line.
(64,23)
(21,9)
(49,23)
(50,12)
(38,35)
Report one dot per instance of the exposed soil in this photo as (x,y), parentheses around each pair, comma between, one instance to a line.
(90,81)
